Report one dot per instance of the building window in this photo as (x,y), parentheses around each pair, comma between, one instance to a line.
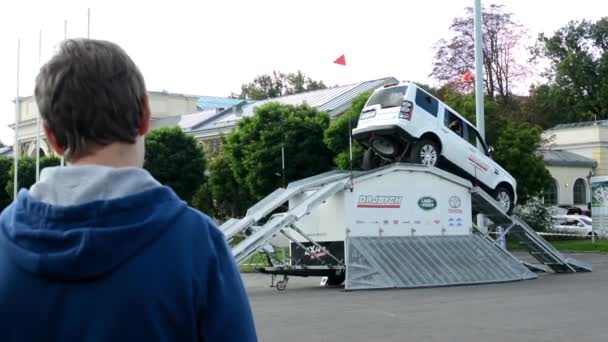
(580,192)
(550,193)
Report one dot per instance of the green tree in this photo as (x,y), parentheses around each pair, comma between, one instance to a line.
(254,148)
(517,151)
(268,87)
(230,199)
(337,135)
(536,214)
(578,74)
(203,200)
(5,169)
(175,160)
(27,172)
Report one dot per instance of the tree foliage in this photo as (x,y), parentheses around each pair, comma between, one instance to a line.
(517,148)
(5,168)
(254,148)
(27,172)
(267,86)
(502,37)
(337,135)
(578,74)
(230,199)
(175,160)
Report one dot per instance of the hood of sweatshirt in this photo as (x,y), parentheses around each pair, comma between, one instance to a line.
(85,221)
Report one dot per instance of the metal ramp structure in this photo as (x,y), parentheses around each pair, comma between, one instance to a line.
(428,261)
(315,191)
(525,236)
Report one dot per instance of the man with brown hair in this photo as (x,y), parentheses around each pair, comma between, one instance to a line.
(99,250)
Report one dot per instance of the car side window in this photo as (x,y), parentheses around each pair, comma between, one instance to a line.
(454,123)
(426,102)
(471,135)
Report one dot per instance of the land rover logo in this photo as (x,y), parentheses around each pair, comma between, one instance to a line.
(455,202)
(427,203)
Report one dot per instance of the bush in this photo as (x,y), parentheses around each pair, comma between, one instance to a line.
(536,214)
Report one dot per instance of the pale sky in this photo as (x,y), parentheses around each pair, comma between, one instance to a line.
(212,47)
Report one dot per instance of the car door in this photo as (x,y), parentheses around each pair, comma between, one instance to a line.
(455,148)
(477,157)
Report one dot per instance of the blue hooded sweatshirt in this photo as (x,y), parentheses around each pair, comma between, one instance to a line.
(102,254)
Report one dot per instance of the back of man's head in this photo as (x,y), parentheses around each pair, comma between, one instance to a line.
(90,95)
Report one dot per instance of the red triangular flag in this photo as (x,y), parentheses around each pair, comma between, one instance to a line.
(341,60)
(468,76)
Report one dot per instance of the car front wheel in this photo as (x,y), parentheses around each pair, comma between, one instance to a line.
(504,197)
(426,152)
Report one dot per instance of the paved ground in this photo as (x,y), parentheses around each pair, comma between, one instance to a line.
(565,307)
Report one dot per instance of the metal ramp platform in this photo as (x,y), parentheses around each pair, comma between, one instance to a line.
(428,261)
(315,191)
(525,236)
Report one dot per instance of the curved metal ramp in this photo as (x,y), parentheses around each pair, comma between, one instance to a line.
(428,261)
(525,236)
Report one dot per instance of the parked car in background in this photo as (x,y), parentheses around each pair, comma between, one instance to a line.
(401,122)
(573,224)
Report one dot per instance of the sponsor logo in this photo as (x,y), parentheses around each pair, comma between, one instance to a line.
(417,222)
(385,222)
(455,222)
(395,221)
(406,222)
(427,203)
(455,202)
(437,221)
(379,201)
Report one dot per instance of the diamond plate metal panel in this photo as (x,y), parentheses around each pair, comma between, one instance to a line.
(428,261)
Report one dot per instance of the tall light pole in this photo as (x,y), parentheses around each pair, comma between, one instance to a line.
(481,222)
(38,115)
(17,112)
(479,71)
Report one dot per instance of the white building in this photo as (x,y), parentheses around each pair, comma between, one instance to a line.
(162,104)
(574,153)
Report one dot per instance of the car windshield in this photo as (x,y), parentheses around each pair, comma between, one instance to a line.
(586,221)
(388,97)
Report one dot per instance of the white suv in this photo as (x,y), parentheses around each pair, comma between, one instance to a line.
(402,122)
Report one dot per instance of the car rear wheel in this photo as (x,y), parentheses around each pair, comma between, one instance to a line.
(504,197)
(335,279)
(425,152)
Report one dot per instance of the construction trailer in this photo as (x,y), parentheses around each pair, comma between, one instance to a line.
(400,226)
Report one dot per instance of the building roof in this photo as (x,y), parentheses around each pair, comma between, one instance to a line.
(334,100)
(215,102)
(189,120)
(582,124)
(6,151)
(565,158)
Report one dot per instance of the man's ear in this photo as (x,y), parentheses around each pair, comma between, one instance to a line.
(144,125)
(53,140)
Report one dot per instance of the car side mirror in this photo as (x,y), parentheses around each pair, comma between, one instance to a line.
(491,150)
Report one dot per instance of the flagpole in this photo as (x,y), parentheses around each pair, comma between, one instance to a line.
(65,36)
(17,112)
(38,115)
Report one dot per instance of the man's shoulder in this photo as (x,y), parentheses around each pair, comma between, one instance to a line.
(196,223)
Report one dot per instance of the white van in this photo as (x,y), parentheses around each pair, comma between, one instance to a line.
(403,123)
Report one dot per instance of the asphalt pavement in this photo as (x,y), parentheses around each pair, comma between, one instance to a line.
(555,307)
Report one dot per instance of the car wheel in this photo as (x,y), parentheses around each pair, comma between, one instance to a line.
(504,197)
(426,152)
(594,234)
(370,160)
